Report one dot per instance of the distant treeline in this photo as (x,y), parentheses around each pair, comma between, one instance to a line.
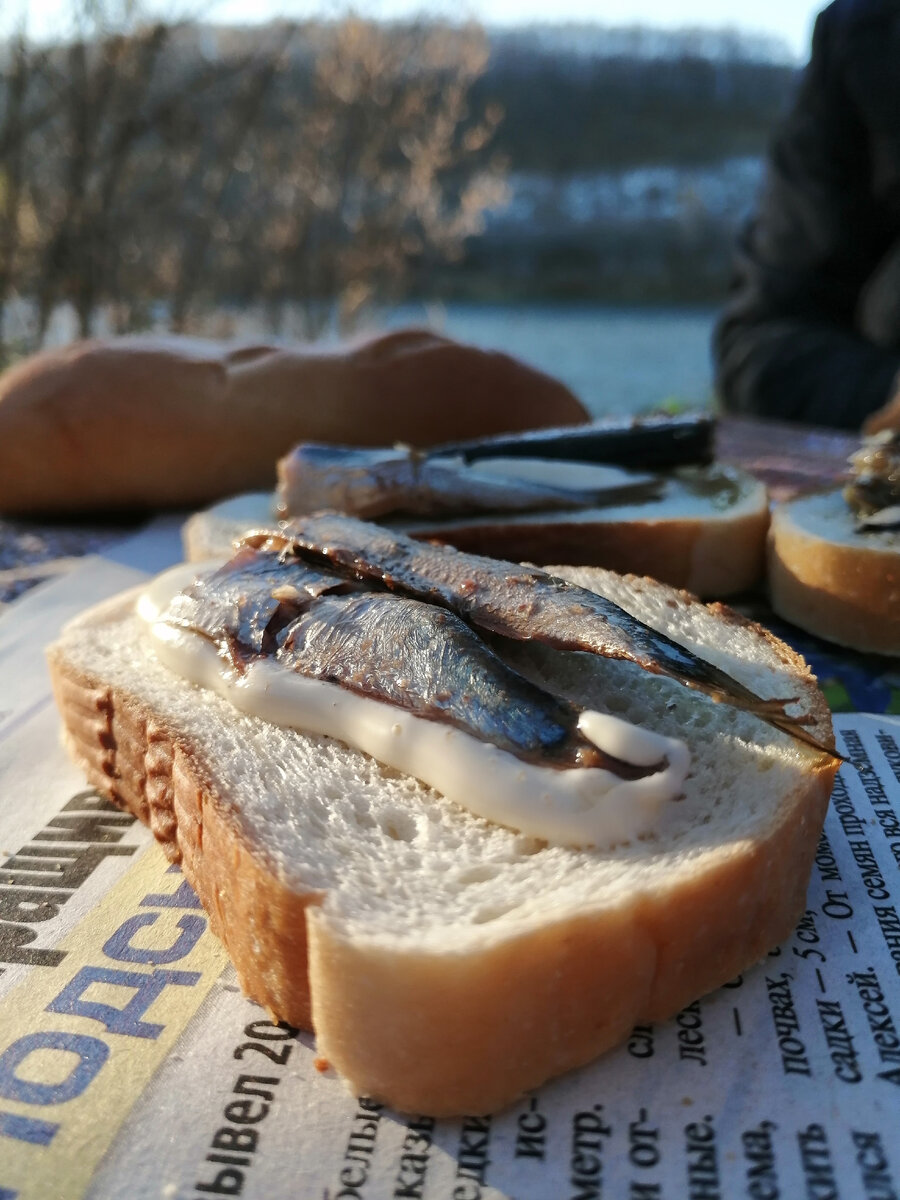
(157,173)
(566,111)
(586,107)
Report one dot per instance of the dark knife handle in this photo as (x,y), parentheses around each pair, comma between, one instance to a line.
(642,442)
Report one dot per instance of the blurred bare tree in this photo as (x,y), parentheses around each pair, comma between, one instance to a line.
(377,171)
(152,172)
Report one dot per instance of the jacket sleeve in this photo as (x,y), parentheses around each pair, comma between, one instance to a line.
(788,343)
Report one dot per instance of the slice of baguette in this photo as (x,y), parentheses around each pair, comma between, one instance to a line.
(832,581)
(447,964)
(706,533)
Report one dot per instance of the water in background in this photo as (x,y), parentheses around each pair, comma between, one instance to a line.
(614,359)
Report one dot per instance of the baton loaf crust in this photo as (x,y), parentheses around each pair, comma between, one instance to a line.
(446,964)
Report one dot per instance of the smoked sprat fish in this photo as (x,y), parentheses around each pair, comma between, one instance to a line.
(648,443)
(402,651)
(873,491)
(249,600)
(374,482)
(524,604)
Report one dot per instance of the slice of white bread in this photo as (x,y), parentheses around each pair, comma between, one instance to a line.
(832,581)
(445,963)
(706,533)
(212,532)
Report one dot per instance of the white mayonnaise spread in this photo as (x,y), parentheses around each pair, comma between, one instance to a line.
(572,807)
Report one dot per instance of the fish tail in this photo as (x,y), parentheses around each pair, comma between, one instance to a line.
(795,728)
(772,710)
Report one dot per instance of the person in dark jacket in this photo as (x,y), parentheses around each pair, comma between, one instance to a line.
(811,331)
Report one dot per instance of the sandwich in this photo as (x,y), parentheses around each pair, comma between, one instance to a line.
(834,556)
(468,821)
(636,495)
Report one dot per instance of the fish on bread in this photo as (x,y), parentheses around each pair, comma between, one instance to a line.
(448,958)
(834,555)
(636,495)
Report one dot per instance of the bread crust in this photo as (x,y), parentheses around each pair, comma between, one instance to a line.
(138,423)
(847,593)
(444,1033)
(718,557)
(140,763)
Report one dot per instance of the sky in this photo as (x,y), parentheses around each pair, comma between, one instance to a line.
(788,20)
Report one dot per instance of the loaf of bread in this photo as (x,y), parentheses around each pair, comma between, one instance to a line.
(448,964)
(148,423)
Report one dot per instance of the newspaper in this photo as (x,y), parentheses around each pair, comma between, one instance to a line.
(132,1065)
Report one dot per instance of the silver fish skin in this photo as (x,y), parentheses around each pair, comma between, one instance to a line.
(428,661)
(515,602)
(404,652)
(248,598)
(372,483)
(873,491)
(654,442)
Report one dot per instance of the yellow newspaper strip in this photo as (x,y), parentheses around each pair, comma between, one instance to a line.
(81,1041)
